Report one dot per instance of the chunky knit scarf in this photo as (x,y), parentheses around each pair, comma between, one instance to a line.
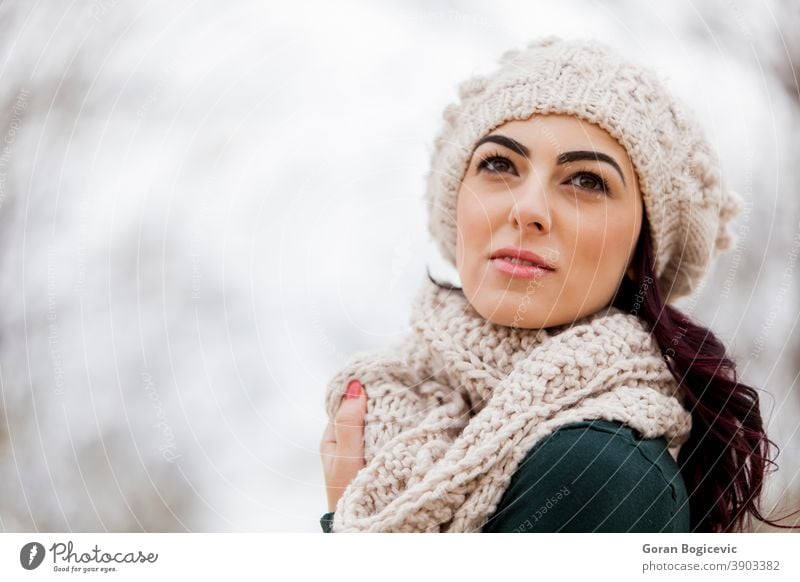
(454,407)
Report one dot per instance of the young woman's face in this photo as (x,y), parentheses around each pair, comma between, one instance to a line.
(529,186)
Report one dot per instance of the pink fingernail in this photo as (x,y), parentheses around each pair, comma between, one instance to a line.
(353,389)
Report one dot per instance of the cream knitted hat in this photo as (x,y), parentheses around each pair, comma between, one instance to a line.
(687,205)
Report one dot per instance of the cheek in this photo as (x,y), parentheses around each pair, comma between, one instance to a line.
(604,241)
(472,220)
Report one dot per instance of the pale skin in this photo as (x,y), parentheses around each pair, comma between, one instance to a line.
(537,202)
(556,210)
(342,446)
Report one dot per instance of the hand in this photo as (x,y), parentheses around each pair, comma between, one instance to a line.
(342,446)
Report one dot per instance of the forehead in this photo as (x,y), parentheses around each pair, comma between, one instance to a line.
(560,133)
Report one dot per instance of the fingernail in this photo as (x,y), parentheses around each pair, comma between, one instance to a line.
(353,389)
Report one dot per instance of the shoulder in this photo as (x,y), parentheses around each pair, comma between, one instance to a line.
(594,475)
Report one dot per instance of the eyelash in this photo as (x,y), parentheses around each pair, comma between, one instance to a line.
(495,156)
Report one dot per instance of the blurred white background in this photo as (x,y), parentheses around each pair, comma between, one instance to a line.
(206,207)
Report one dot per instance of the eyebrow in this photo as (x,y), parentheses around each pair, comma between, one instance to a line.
(564,158)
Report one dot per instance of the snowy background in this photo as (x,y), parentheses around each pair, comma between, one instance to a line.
(205,207)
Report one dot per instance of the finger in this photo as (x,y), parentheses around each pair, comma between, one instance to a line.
(329,436)
(354,399)
(327,444)
(349,425)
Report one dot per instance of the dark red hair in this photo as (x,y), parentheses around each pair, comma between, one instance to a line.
(726,459)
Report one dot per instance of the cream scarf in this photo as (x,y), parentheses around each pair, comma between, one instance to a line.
(454,407)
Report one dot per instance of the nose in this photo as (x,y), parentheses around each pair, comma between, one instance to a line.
(530,208)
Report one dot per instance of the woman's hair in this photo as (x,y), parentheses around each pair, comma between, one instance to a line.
(727,456)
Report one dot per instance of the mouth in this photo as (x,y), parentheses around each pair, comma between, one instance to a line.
(519,263)
(520,269)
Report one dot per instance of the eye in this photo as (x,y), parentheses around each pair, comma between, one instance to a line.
(494,163)
(591,181)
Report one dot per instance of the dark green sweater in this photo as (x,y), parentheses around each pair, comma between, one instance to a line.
(591,476)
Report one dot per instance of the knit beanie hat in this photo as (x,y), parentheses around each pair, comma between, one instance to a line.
(687,205)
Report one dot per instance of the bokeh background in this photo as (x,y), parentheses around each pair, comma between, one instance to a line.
(207,206)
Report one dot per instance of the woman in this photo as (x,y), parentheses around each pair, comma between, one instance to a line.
(557,389)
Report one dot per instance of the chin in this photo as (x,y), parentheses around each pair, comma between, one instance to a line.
(508,307)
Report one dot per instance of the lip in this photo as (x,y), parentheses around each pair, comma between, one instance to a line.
(539,269)
(518,253)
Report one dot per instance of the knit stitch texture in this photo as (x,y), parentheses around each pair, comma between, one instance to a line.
(456,404)
(688,207)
